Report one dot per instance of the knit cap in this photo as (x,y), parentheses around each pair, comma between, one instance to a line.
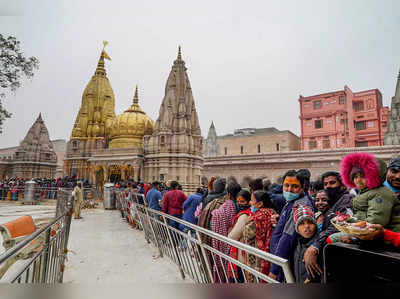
(301,213)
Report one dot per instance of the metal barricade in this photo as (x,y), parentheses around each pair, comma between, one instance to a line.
(199,259)
(46,265)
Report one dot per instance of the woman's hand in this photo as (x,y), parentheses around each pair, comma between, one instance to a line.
(376,233)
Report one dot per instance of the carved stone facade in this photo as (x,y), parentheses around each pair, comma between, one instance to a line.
(274,165)
(35,157)
(392,136)
(175,150)
(108,147)
(211,146)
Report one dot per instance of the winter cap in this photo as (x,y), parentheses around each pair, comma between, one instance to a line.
(395,162)
(355,170)
(302,213)
(219,185)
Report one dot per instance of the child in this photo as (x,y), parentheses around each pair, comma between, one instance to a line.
(374,202)
(306,228)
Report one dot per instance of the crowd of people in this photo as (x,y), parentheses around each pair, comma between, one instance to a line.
(290,219)
(13,188)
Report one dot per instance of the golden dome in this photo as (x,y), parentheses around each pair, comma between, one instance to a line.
(128,128)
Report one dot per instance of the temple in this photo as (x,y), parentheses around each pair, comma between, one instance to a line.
(392,136)
(34,158)
(105,147)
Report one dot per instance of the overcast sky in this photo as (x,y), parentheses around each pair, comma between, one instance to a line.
(248,61)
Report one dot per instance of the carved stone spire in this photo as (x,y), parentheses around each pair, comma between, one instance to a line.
(176,142)
(36,146)
(392,135)
(211,146)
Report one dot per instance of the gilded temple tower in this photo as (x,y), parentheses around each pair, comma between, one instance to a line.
(175,150)
(93,122)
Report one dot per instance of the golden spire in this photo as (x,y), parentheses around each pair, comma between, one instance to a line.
(136,97)
(179,53)
(100,70)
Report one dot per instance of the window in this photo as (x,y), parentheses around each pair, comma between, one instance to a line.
(343,121)
(344,140)
(241,149)
(342,100)
(162,140)
(317,105)
(360,125)
(259,148)
(277,147)
(328,121)
(370,124)
(358,106)
(312,144)
(162,177)
(177,177)
(361,143)
(154,178)
(370,104)
(326,143)
(318,123)
(226,150)
(384,124)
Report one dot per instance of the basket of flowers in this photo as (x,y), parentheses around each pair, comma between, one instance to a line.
(351,225)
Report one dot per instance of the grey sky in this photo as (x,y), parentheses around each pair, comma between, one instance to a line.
(247,61)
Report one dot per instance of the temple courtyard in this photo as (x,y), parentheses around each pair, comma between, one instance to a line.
(103,248)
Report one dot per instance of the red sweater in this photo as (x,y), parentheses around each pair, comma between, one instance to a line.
(173,201)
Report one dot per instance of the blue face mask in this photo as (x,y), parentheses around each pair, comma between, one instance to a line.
(289,196)
(253,209)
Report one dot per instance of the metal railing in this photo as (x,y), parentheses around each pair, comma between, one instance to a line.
(46,259)
(192,251)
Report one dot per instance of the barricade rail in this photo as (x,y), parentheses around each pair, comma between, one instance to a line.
(192,250)
(46,264)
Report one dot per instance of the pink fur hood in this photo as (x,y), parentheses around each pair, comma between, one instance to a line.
(367,162)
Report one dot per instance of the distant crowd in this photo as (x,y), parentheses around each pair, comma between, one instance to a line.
(13,188)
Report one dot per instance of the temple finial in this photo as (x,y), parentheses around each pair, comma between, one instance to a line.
(179,53)
(136,97)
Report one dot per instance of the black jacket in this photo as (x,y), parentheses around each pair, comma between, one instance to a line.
(298,266)
(341,205)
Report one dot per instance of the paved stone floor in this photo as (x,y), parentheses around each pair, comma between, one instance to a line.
(104,248)
(107,250)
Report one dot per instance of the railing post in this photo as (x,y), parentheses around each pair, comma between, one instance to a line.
(46,255)
(154,234)
(204,259)
(175,250)
(68,219)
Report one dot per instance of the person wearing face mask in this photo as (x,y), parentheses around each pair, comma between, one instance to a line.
(284,235)
(236,233)
(258,230)
(340,201)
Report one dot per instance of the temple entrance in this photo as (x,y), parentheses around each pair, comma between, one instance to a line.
(114,173)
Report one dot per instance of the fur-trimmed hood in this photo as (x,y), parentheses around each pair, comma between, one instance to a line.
(374,169)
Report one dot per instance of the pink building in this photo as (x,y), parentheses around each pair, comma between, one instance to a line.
(342,119)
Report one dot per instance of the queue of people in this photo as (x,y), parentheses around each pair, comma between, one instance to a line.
(292,219)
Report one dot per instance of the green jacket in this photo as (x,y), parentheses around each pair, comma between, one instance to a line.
(394,224)
(375,206)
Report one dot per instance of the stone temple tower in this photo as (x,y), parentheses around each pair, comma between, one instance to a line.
(175,149)
(211,146)
(392,136)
